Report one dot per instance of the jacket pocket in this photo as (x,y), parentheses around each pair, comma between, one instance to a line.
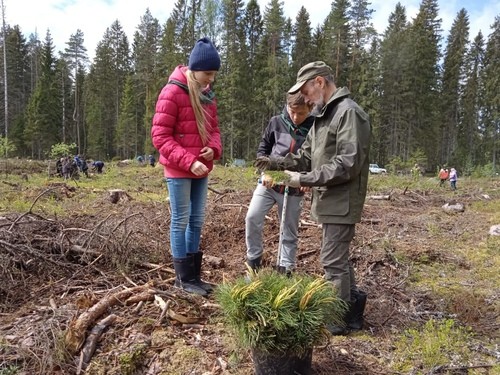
(332,201)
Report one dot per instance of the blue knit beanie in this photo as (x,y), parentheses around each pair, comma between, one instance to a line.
(204,56)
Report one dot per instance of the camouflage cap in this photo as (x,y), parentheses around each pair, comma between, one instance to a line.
(310,71)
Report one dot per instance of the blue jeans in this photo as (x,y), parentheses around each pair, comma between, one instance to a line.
(188,197)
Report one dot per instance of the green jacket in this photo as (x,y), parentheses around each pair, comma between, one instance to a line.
(334,161)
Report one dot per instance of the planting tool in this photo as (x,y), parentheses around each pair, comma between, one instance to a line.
(282,225)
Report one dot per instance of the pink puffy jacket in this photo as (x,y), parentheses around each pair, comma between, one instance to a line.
(175,133)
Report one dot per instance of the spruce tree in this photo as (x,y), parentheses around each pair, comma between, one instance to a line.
(147,78)
(76,56)
(469,149)
(43,127)
(491,109)
(336,43)
(424,74)
(452,82)
(392,136)
(303,49)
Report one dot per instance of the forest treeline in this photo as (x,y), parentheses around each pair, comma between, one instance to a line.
(431,100)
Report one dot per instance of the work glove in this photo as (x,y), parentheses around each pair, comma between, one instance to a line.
(262,163)
(293,179)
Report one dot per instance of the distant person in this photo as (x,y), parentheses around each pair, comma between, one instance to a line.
(140,159)
(84,167)
(443,176)
(416,172)
(59,167)
(284,133)
(186,133)
(69,168)
(98,165)
(152,160)
(453,178)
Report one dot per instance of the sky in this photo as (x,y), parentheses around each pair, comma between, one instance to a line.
(64,17)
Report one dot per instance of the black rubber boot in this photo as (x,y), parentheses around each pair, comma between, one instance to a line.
(255,264)
(284,271)
(353,319)
(355,315)
(185,276)
(197,258)
(336,330)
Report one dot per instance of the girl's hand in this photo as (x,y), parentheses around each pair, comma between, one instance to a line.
(198,168)
(207,153)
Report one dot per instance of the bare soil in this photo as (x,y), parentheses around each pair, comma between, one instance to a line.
(52,270)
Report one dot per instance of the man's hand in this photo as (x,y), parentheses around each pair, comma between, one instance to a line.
(262,163)
(293,179)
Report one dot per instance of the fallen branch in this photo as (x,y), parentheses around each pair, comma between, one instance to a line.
(307,253)
(439,369)
(91,342)
(380,197)
(371,221)
(76,333)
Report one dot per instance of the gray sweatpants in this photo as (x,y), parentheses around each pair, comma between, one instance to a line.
(335,258)
(263,200)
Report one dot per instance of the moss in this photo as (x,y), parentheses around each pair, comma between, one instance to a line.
(131,360)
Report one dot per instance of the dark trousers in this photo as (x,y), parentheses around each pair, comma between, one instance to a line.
(335,258)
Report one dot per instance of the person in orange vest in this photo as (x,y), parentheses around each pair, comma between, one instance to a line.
(443,176)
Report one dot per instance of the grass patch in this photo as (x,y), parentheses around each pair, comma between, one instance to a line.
(438,343)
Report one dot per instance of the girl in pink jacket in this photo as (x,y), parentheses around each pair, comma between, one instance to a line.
(186,134)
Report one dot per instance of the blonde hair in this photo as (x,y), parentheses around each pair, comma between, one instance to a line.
(199,111)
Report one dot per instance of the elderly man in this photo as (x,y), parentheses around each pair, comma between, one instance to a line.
(334,161)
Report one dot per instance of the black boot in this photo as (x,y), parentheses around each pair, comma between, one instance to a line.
(255,264)
(284,271)
(185,276)
(355,316)
(197,258)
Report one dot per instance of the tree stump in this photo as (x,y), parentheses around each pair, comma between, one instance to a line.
(116,194)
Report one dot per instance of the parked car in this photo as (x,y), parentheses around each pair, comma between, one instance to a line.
(375,169)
